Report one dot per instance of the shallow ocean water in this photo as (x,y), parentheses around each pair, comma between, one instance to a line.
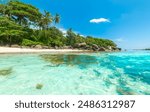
(118,73)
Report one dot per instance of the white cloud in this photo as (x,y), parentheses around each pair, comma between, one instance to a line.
(83,35)
(100,20)
(119,40)
(64,31)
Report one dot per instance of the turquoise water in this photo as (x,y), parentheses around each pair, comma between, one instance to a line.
(124,73)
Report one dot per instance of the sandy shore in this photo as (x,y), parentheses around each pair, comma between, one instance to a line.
(5,50)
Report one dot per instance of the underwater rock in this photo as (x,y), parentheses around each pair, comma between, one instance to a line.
(81,94)
(97,73)
(123,91)
(6,71)
(147,92)
(54,59)
(39,86)
(80,77)
(53,65)
(70,60)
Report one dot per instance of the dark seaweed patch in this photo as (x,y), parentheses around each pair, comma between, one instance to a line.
(39,86)
(71,60)
(5,71)
(125,91)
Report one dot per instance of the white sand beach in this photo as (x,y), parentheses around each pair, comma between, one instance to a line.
(5,50)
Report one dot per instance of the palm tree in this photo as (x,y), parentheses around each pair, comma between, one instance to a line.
(46,19)
(57,18)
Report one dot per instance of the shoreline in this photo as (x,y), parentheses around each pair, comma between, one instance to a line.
(10,50)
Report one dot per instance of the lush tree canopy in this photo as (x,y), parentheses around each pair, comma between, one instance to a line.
(17,20)
(10,31)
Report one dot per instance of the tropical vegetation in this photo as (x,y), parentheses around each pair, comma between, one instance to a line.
(24,25)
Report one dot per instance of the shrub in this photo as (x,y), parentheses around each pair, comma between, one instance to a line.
(27,42)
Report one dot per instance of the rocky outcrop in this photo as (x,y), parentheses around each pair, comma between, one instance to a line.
(56,47)
(67,47)
(32,46)
(15,46)
(116,49)
(119,49)
(109,48)
(80,45)
(45,47)
(38,47)
(102,49)
(95,47)
(25,47)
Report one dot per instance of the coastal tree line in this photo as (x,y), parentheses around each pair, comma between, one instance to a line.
(24,25)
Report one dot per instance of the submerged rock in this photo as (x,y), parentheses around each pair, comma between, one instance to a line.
(123,91)
(54,59)
(70,60)
(97,73)
(39,86)
(6,71)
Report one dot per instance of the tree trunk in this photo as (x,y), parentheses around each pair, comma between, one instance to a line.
(9,41)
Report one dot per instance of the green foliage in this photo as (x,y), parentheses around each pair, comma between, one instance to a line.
(76,38)
(45,20)
(57,18)
(71,36)
(56,37)
(17,18)
(100,42)
(27,42)
(9,29)
(23,13)
(52,37)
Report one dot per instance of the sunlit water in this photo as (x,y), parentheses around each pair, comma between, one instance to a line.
(124,73)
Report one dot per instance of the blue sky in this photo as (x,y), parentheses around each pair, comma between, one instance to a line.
(127,22)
